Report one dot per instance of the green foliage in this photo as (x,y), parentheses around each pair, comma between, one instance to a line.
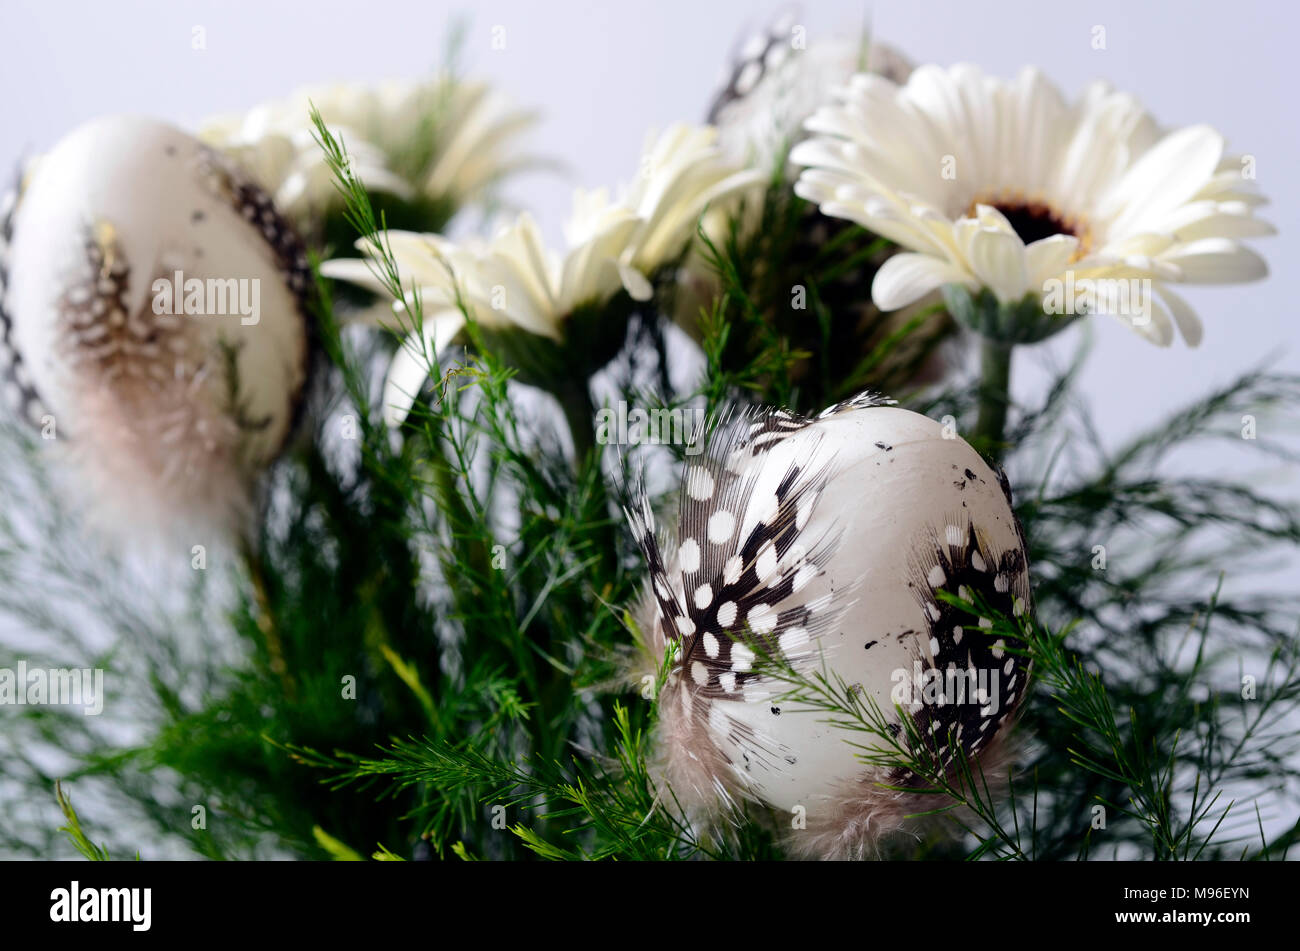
(78,837)
(794,324)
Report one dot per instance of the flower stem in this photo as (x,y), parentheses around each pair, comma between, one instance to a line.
(579,413)
(994,396)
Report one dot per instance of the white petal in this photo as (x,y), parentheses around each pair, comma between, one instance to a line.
(1189,325)
(998,260)
(991,219)
(1225,225)
(354,271)
(1049,257)
(1216,261)
(635,282)
(907,277)
(1170,173)
(1156,327)
(411,364)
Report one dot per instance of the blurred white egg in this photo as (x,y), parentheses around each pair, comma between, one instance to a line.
(153,304)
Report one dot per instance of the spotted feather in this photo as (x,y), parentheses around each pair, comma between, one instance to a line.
(725,600)
(984,681)
(20,396)
(830,541)
(761,53)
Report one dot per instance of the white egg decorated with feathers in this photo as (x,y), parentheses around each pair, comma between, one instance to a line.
(825,541)
(152,311)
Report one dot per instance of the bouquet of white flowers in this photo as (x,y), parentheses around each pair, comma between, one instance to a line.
(713,531)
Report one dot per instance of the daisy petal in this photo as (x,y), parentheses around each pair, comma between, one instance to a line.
(1154,325)
(1189,325)
(1216,261)
(998,260)
(1049,257)
(412,363)
(354,271)
(1031,189)
(1166,176)
(907,277)
(635,283)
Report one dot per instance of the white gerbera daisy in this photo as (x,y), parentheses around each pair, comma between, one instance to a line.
(513,282)
(1004,187)
(442,139)
(683,171)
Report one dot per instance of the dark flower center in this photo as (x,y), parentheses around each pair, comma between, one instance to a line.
(1034,221)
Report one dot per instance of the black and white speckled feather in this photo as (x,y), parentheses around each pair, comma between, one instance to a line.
(717,601)
(849,553)
(958,561)
(19,396)
(762,52)
(757,77)
(256,206)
